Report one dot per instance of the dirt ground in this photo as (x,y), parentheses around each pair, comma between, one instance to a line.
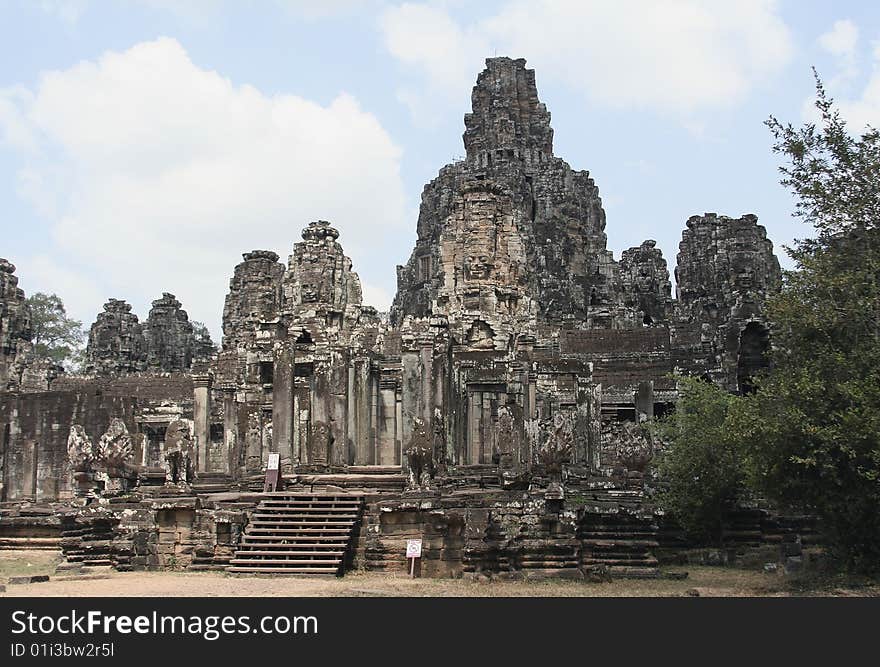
(702,581)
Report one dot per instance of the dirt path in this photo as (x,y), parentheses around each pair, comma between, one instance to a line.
(706,581)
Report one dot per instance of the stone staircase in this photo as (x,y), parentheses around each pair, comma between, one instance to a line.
(299,533)
(88,543)
(620,544)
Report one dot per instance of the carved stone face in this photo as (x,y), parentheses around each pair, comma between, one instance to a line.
(478,267)
(309,294)
(745,278)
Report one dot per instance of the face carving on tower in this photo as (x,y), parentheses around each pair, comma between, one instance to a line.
(481,214)
(744,278)
(312,278)
(309,294)
(478,267)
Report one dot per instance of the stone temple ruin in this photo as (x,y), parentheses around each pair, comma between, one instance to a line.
(496,412)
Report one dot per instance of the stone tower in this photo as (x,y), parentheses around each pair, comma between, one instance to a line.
(116,341)
(644,280)
(511,236)
(169,336)
(15,327)
(254,296)
(725,270)
(319,283)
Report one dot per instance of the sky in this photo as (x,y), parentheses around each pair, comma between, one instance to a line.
(146,144)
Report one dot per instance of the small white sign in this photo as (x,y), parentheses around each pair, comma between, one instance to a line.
(274,462)
(413,548)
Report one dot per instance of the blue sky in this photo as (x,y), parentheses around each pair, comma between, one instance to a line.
(145,144)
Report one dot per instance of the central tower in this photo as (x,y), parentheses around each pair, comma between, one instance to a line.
(512,236)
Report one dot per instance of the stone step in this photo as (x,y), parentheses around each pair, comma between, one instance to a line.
(614,544)
(292,533)
(312,502)
(374,470)
(338,553)
(297,517)
(334,562)
(312,494)
(294,538)
(647,561)
(308,527)
(344,480)
(327,571)
(309,511)
(261,529)
(276,520)
(311,508)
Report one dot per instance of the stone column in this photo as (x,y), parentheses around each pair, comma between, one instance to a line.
(644,400)
(202,419)
(282,400)
(230,423)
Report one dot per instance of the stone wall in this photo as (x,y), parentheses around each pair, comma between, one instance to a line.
(176,533)
(34,431)
(509,534)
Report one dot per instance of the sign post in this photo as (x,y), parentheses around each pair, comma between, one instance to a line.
(413,551)
(273,472)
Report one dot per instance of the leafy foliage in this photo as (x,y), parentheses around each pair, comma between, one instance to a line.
(701,468)
(811,433)
(809,437)
(55,336)
(202,336)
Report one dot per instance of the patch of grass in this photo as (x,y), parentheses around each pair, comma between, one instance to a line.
(22,563)
(827,582)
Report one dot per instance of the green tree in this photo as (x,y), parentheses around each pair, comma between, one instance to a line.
(811,432)
(55,336)
(701,467)
(202,336)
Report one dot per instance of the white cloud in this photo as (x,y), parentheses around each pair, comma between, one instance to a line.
(81,296)
(425,38)
(68,11)
(158,174)
(14,130)
(864,109)
(859,106)
(841,40)
(678,57)
(323,9)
